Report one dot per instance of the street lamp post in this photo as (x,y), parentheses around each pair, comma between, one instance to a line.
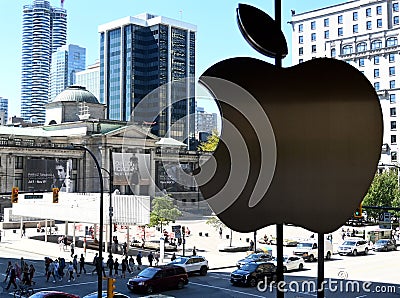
(110,209)
(100,258)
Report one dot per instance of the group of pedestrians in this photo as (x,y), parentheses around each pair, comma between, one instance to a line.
(55,268)
(21,274)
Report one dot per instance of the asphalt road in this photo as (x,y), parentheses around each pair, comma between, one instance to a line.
(381,268)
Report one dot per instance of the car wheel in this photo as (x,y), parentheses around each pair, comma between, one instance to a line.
(203,271)
(252,282)
(354,252)
(301,266)
(149,289)
(311,258)
(366,251)
(180,284)
(328,255)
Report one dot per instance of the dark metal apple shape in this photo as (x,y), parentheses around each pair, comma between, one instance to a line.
(298,145)
(261,31)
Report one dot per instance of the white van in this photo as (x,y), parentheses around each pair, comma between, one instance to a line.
(308,249)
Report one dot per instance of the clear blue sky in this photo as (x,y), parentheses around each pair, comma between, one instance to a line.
(218,36)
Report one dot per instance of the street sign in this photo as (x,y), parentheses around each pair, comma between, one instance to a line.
(32,197)
(177,231)
(385,220)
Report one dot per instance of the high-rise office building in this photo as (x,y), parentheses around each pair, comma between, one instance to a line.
(4,110)
(205,122)
(90,78)
(65,62)
(363,33)
(44,30)
(139,54)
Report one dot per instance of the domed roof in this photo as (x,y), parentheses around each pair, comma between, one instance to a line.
(77,94)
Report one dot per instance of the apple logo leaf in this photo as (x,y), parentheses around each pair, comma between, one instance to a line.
(298,145)
(261,31)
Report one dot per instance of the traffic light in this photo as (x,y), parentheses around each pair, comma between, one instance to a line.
(183,230)
(110,287)
(14,195)
(358,212)
(55,195)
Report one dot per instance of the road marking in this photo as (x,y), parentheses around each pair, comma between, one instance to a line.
(65,286)
(225,289)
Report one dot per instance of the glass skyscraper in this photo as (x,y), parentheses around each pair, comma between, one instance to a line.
(44,29)
(65,62)
(4,108)
(138,55)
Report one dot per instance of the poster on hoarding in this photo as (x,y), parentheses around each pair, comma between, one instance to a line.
(45,174)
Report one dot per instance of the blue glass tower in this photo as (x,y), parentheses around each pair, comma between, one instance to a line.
(138,55)
(44,29)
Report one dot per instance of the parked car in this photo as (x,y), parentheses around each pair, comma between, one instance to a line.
(53,294)
(192,264)
(291,263)
(254,257)
(308,249)
(251,273)
(384,245)
(157,278)
(353,246)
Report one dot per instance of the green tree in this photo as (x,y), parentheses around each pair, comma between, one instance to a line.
(383,192)
(163,211)
(211,144)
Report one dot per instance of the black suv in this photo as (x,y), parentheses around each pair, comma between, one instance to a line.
(253,272)
(156,278)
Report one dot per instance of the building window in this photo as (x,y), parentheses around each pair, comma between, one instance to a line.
(301,51)
(18,180)
(392,84)
(393,112)
(392,71)
(391,57)
(377,86)
(355,28)
(391,42)
(300,27)
(313,36)
(393,156)
(326,34)
(369,25)
(333,52)
(301,39)
(379,23)
(326,22)
(396,6)
(361,62)
(313,48)
(393,139)
(379,10)
(393,125)
(300,61)
(368,12)
(361,47)
(376,60)
(355,16)
(313,25)
(340,31)
(348,49)
(376,44)
(392,98)
(19,162)
(376,73)
(396,20)
(340,19)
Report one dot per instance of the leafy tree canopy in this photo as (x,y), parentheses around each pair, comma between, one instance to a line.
(211,144)
(163,211)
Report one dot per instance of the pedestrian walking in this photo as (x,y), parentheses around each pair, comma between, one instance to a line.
(75,264)
(8,270)
(110,265)
(124,266)
(72,247)
(13,277)
(139,259)
(220,232)
(124,249)
(0,234)
(50,271)
(173,258)
(70,272)
(23,230)
(65,241)
(31,274)
(157,257)
(96,263)
(116,267)
(25,274)
(131,262)
(150,258)
(82,264)
(194,250)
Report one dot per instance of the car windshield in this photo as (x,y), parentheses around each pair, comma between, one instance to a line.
(249,267)
(304,245)
(148,272)
(253,256)
(349,243)
(179,261)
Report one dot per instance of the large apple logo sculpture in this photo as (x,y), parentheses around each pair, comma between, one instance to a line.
(298,145)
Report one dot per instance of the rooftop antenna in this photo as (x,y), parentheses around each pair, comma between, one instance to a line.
(180,14)
(62,3)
